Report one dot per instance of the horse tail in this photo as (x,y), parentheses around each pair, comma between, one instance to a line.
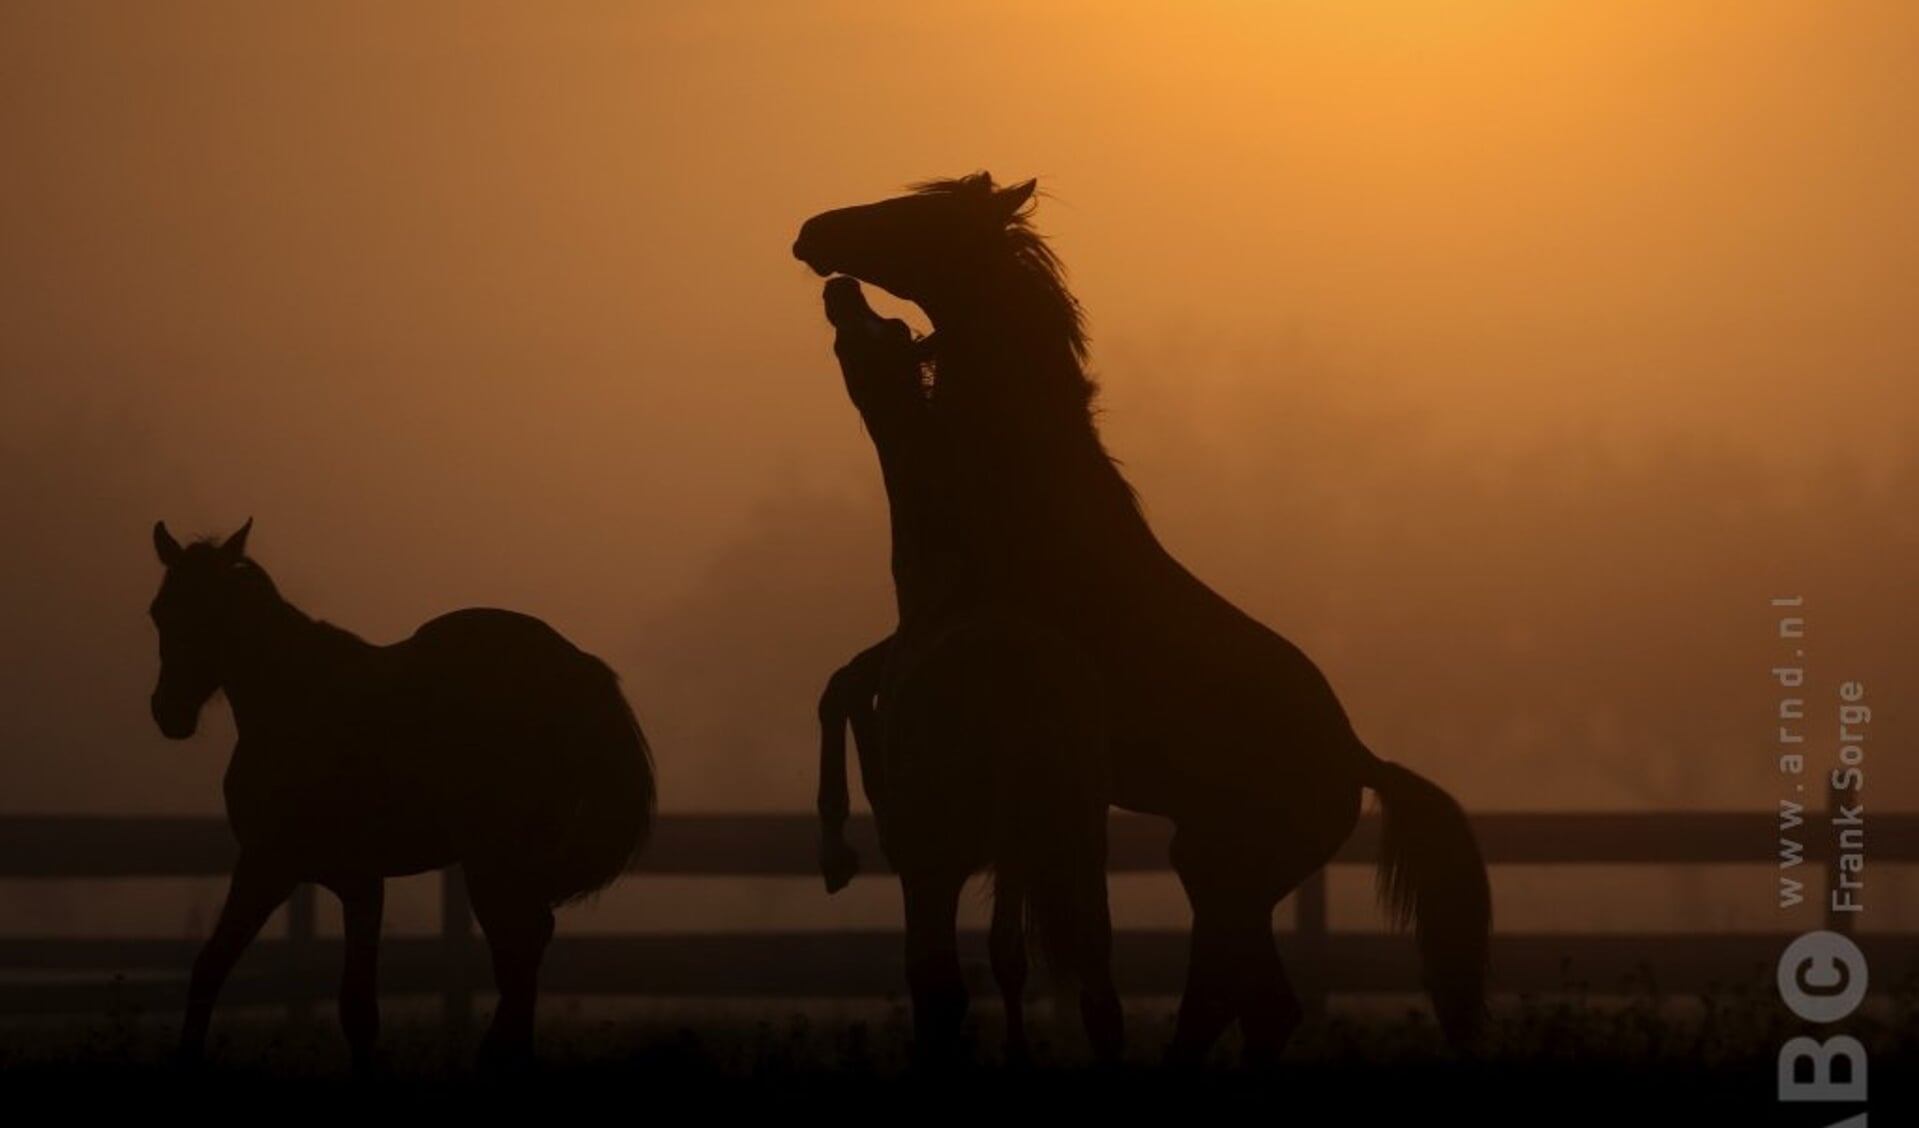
(618,795)
(1431,875)
(1039,901)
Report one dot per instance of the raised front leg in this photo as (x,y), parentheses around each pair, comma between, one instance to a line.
(847,700)
(256,888)
(838,861)
(362,901)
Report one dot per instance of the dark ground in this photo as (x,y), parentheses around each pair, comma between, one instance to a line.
(1546,1065)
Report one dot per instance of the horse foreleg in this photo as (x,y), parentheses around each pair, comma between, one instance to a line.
(254,891)
(932,962)
(362,902)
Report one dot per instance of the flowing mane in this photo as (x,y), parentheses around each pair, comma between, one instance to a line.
(265,594)
(1052,325)
(1034,257)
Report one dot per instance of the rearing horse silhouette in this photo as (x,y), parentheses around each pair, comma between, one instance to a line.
(485,740)
(979,735)
(1220,724)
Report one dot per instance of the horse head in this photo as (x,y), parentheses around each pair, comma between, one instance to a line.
(198,611)
(920,246)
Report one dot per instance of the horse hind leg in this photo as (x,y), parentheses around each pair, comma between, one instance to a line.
(1235,972)
(362,902)
(1270,1012)
(1206,1005)
(1006,944)
(931,897)
(1281,859)
(518,924)
(1099,1006)
(1066,884)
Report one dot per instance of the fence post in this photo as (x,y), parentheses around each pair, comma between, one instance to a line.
(299,953)
(1309,925)
(456,939)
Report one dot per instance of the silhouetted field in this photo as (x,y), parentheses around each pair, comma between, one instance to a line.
(1547,1063)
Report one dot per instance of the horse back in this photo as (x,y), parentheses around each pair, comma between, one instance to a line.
(476,728)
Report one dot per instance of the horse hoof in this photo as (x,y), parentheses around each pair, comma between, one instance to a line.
(938,1057)
(1259,1060)
(1183,1058)
(503,1060)
(367,1064)
(838,866)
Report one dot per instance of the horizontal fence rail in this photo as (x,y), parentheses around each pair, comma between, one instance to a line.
(46,976)
(784,845)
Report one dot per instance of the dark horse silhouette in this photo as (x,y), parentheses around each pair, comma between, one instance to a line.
(1218,722)
(484,740)
(978,737)
(849,702)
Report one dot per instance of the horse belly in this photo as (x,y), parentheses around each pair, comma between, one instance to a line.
(321,821)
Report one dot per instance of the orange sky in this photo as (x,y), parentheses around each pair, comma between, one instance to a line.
(491,303)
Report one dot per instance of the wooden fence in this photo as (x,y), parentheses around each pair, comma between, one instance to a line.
(98,976)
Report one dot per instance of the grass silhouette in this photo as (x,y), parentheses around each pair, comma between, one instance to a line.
(1551,1059)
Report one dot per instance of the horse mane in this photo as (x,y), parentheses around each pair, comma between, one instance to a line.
(261,585)
(1056,314)
(1035,258)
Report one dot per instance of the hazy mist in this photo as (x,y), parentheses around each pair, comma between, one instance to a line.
(1507,357)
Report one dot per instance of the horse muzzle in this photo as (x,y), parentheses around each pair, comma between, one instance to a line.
(175,723)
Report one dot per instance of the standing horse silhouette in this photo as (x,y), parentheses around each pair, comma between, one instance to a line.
(978,737)
(1219,723)
(485,740)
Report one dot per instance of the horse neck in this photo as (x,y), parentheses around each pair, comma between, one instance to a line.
(1045,489)
(928,552)
(286,653)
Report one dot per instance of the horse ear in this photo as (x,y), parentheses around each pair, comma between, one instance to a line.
(165,545)
(235,546)
(1011,200)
